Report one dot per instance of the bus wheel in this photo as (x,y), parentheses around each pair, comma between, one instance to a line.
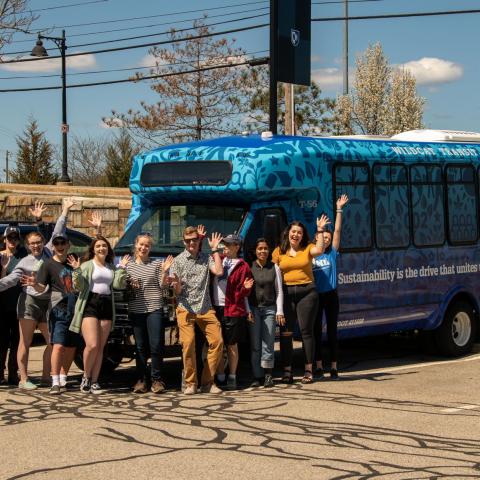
(456,334)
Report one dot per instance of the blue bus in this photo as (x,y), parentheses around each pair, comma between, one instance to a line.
(410,252)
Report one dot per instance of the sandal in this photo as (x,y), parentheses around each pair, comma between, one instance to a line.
(287,377)
(307,377)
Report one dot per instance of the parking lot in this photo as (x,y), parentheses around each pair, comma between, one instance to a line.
(396,413)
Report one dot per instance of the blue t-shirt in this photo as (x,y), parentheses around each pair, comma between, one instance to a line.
(325,271)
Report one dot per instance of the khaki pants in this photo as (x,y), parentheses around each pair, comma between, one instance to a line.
(210,326)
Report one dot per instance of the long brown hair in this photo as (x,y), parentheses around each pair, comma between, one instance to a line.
(91,253)
(285,242)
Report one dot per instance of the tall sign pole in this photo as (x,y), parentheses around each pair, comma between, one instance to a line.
(273,65)
(345,48)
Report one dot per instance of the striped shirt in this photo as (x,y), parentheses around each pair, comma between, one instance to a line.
(149,296)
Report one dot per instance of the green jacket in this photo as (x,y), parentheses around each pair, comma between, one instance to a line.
(82,279)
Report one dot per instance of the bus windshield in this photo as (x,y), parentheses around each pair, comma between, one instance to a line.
(166,223)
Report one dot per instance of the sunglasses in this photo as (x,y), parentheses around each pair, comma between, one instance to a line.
(59,242)
(191,240)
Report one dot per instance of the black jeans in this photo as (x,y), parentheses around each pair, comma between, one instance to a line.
(301,303)
(328,303)
(9,338)
(149,332)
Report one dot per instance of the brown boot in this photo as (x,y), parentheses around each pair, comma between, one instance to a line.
(140,387)
(158,386)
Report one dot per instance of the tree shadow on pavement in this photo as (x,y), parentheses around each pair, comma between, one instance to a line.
(254,423)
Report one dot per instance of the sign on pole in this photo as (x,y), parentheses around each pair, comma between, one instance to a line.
(293,41)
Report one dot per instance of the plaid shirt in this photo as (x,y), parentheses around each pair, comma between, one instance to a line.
(194,275)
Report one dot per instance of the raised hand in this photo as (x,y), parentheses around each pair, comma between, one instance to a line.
(95,220)
(248,283)
(202,231)
(37,210)
(215,240)
(167,263)
(125,259)
(342,201)
(68,203)
(73,261)
(322,222)
(5,260)
(28,280)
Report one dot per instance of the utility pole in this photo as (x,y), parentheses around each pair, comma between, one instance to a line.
(289,109)
(273,66)
(345,47)
(6,169)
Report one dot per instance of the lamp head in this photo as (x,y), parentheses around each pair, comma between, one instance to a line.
(39,50)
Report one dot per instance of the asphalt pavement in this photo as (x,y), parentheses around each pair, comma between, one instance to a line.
(395,413)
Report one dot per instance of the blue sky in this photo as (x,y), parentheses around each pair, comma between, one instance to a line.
(440,52)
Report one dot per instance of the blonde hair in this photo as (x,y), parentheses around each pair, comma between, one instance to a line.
(189,231)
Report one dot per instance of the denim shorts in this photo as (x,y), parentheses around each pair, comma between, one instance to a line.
(59,322)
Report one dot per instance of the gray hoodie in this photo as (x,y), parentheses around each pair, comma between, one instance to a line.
(30,264)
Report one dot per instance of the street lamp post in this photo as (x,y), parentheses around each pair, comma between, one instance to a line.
(40,51)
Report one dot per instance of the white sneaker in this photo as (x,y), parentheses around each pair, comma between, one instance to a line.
(96,389)
(210,388)
(190,389)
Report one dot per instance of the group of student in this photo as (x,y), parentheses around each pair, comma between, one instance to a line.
(65,296)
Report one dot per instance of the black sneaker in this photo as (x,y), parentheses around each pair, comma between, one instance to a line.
(319,373)
(255,384)
(85,385)
(334,374)
(268,383)
(55,390)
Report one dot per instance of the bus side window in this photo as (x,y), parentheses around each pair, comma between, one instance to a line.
(461,204)
(426,199)
(391,206)
(354,180)
(268,223)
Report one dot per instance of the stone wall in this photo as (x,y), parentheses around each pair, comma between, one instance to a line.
(112,203)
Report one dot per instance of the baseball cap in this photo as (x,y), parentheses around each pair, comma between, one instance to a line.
(11,231)
(60,235)
(232,239)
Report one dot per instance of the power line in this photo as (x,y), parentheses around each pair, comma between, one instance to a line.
(91,72)
(149,77)
(67,6)
(143,45)
(137,37)
(396,15)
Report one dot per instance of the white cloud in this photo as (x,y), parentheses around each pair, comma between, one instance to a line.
(147,61)
(50,65)
(433,71)
(116,123)
(328,78)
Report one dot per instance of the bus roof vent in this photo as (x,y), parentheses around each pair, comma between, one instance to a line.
(437,136)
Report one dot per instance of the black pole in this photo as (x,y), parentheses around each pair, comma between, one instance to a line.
(273,66)
(63,48)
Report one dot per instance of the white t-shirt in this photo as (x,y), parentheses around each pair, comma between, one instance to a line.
(220,282)
(102,279)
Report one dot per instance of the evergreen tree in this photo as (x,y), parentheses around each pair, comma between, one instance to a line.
(34,158)
(191,106)
(119,156)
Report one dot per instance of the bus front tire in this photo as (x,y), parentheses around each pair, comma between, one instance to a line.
(457,333)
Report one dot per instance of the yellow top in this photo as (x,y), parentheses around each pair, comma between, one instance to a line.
(296,270)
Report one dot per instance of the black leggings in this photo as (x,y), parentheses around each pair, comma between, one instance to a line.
(301,303)
(328,302)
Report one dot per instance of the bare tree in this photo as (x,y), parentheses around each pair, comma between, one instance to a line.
(15,16)
(194,105)
(87,161)
(383,101)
